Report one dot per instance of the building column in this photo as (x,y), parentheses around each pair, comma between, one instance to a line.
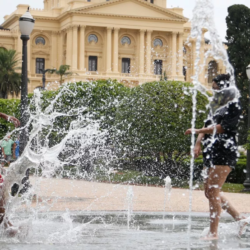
(149,59)
(174,41)
(141,62)
(53,53)
(45,2)
(60,49)
(82,48)
(75,47)
(108,50)
(180,53)
(202,63)
(115,50)
(69,47)
(193,57)
(19,47)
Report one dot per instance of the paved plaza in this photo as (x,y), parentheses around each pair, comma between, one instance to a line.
(79,195)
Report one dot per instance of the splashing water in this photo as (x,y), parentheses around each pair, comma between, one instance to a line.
(129,199)
(83,142)
(167,191)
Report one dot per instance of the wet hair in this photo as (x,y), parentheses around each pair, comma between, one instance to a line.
(222,81)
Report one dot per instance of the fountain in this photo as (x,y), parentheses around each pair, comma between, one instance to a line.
(130,196)
(61,211)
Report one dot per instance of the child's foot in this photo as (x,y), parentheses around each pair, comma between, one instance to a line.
(11,231)
(242,225)
(210,237)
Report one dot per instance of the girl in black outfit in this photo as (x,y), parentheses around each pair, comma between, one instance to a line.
(220,153)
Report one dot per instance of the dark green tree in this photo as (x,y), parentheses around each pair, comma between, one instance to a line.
(10,80)
(63,71)
(238,41)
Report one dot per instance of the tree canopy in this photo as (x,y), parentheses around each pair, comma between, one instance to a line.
(10,80)
(238,41)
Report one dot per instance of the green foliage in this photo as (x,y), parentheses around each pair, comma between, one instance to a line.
(151,122)
(232,188)
(238,40)
(63,71)
(238,175)
(9,107)
(10,80)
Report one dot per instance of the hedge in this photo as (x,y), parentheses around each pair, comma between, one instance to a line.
(150,126)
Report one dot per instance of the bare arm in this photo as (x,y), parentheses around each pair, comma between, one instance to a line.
(202,132)
(197,146)
(12,119)
(210,130)
(14,150)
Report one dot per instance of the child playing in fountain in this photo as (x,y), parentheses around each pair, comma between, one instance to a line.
(11,230)
(7,149)
(219,149)
(3,219)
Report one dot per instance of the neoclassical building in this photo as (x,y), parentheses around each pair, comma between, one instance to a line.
(133,41)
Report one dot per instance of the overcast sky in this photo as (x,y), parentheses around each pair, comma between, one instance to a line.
(188,5)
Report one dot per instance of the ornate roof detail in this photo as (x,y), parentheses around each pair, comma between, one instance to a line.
(173,16)
(130,16)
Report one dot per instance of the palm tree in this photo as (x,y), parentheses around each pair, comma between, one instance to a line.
(63,71)
(10,80)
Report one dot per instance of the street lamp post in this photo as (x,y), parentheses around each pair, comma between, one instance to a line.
(44,71)
(26,25)
(247,181)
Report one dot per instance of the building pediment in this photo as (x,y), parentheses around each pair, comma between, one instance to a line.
(131,8)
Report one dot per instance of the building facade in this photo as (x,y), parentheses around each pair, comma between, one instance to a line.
(133,41)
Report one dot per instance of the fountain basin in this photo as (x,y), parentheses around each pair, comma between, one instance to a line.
(105,230)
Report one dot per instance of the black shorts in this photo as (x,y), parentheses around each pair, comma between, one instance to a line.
(218,154)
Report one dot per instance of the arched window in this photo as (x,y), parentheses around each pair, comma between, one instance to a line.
(125,40)
(212,70)
(158,42)
(92,38)
(40,40)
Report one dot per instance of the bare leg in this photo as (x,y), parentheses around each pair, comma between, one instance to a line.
(216,178)
(3,219)
(227,206)
(2,209)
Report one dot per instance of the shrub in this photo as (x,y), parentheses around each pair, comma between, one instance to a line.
(9,107)
(151,122)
